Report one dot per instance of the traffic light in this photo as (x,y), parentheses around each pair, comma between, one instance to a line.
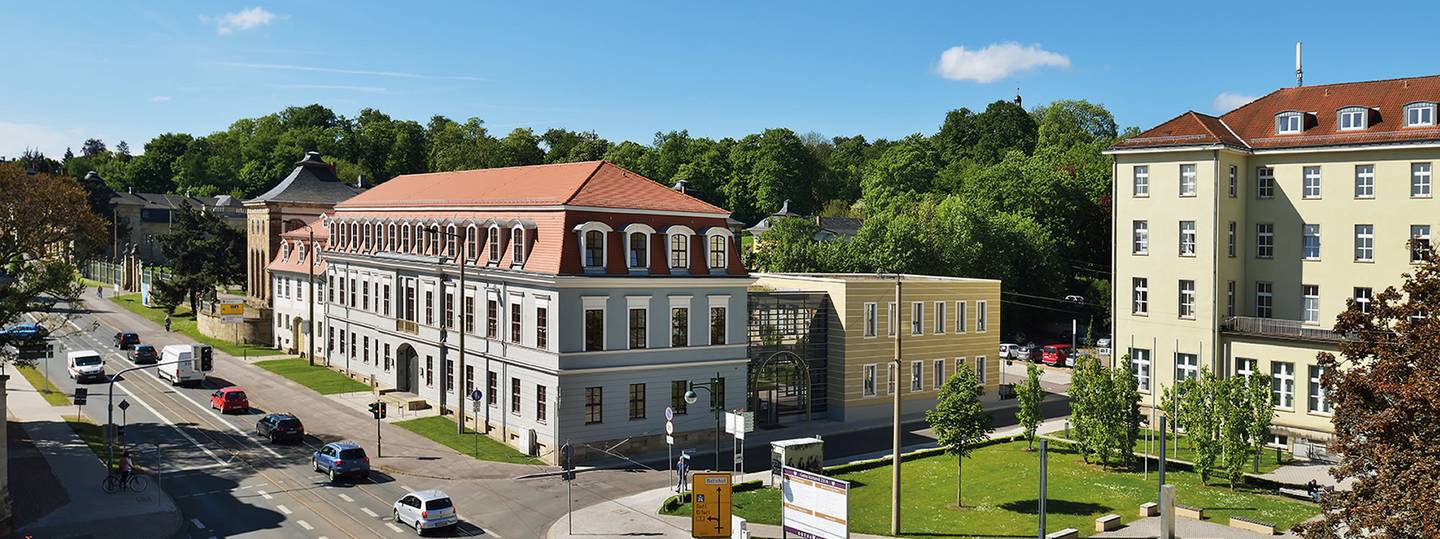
(207,361)
(378,409)
(383,409)
(120,432)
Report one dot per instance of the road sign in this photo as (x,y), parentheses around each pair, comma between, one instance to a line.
(669,440)
(80,395)
(710,510)
(476,395)
(739,423)
(669,428)
(669,413)
(232,313)
(477,406)
(124,404)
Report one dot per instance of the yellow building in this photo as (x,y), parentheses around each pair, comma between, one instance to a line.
(1239,238)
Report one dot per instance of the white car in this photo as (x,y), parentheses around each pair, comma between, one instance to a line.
(85,365)
(426,510)
(1011,351)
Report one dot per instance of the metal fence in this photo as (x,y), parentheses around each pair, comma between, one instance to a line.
(1275,327)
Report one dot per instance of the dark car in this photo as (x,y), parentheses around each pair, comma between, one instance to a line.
(124,340)
(279,427)
(143,354)
(341,458)
(24,333)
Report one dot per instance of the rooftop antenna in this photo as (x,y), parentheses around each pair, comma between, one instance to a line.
(1299,73)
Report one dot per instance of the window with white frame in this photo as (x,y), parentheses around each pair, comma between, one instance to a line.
(1244,366)
(1142,181)
(892,319)
(892,378)
(494,243)
(1318,401)
(1264,299)
(1310,303)
(1187,180)
(960,314)
(1264,182)
(719,253)
(1420,180)
(1141,295)
(1289,122)
(917,318)
(917,376)
(1363,295)
(937,378)
(1310,186)
(1140,365)
(1352,118)
(1187,298)
(1264,240)
(868,389)
(1187,238)
(517,246)
(679,251)
(1140,237)
(1230,298)
(1419,243)
(594,249)
(1364,181)
(1310,241)
(982,317)
(940,318)
(1234,182)
(980,370)
(1230,239)
(871,315)
(1419,114)
(451,236)
(1364,243)
(1187,366)
(1282,384)
(593,328)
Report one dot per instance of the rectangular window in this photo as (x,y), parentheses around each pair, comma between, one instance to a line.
(449,375)
(982,317)
(679,251)
(429,371)
(960,315)
(717,251)
(1310,303)
(492,388)
(917,376)
(429,307)
(1187,180)
(1187,238)
(1282,384)
(1140,237)
(1264,182)
(940,318)
(1264,240)
(717,325)
(1141,295)
(542,403)
(1187,366)
(1318,402)
(492,318)
(867,389)
(1140,365)
(542,328)
(365,295)
(516,325)
(1364,243)
(1363,296)
(1187,298)
(1142,181)
(469,379)
(1353,118)
(1311,186)
(679,326)
(1364,181)
(891,379)
(980,369)
(1419,243)
(1230,298)
(938,377)
(1310,242)
(469,314)
(386,356)
(593,398)
(892,321)
(1244,367)
(1264,299)
(1230,240)
(352,292)
(594,330)
(871,315)
(1420,180)
(917,318)
(1420,114)
(385,301)
(638,330)
(677,396)
(365,347)
(449,310)
(1234,182)
(515,396)
(330,290)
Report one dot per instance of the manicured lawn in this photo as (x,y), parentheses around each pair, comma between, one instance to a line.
(37,379)
(324,381)
(1000,496)
(443,430)
(1180,448)
(184,322)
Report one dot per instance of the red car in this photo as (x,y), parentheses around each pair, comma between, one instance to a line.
(230,399)
(1057,355)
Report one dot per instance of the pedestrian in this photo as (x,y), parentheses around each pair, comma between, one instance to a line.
(167,323)
(1314,489)
(99,292)
(682,466)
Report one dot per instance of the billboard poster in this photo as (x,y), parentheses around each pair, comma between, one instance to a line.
(813,506)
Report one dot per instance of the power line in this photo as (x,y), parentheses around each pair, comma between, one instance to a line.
(1058,300)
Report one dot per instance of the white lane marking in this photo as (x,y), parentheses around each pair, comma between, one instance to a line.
(305,525)
(197,523)
(347,498)
(407,489)
(242,433)
(367,511)
(284,509)
(394,527)
(263,494)
(492,534)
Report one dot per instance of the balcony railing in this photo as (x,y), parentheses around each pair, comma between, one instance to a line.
(1275,327)
(406,326)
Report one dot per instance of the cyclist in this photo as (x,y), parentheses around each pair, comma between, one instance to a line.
(126,467)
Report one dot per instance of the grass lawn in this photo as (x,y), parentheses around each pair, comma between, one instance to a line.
(324,381)
(92,434)
(1181,448)
(443,430)
(1000,496)
(184,322)
(91,284)
(37,379)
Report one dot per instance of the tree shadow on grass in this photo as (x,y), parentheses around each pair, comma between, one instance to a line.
(1061,507)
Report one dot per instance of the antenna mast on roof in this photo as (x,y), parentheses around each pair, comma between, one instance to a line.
(1299,73)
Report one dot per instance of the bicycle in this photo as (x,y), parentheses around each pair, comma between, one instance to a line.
(116,482)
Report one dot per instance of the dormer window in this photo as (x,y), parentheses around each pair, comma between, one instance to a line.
(285,251)
(637,245)
(1419,114)
(472,242)
(1289,122)
(1352,118)
(594,248)
(300,251)
(517,246)
(405,238)
(494,244)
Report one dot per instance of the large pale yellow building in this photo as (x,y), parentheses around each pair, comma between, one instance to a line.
(1239,238)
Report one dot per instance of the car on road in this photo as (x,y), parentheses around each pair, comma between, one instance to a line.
(426,510)
(230,399)
(144,354)
(340,459)
(282,426)
(85,365)
(1058,355)
(24,333)
(125,340)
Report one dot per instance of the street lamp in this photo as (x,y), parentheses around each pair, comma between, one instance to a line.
(895,405)
(460,246)
(711,388)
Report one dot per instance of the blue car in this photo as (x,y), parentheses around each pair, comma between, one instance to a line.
(340,459)
(24,333)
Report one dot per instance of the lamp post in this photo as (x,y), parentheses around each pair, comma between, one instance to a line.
(711,388)
(895,432)
(463,238)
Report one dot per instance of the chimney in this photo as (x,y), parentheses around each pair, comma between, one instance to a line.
(1299,73)
(681,186)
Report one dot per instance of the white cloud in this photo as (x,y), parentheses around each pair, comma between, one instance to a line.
(339,71)
(996,61)
(16,137)
(160,99)
(1226,102)
(247,19)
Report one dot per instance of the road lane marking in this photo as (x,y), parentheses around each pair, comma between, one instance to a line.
(394,527)
(197,523)
(367,511)
(305,525)
(243,434)
(263,494)
(407,489)
(347,498)
(284,509)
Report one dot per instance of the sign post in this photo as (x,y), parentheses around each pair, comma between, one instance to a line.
(670,442)
(476,397)
(80,395)
(710,505)
(233,313)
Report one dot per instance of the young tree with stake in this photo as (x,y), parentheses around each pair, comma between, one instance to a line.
(1028,396)
(960,422)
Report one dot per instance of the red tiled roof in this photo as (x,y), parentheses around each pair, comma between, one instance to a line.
(1253,125)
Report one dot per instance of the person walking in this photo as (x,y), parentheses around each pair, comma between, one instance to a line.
(167,323)
(99,292)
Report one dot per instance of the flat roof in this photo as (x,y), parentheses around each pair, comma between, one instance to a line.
(852,277)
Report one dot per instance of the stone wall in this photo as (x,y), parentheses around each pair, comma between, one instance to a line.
(256,329)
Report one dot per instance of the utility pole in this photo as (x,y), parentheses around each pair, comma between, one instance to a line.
(895,442)
(314,257)
(460,296)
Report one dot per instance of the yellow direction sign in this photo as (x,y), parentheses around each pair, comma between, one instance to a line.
(232,309)
(710,507)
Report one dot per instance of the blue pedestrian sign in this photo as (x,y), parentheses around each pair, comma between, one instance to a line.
(476,395)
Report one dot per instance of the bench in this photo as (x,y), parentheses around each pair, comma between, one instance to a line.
(1107,523)
(1189,511)
(1067,533)
(1149,510)
(1252,525)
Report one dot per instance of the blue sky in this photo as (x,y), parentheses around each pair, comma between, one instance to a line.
(629,69)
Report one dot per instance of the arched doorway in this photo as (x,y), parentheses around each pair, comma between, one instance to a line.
(407,369)
(780,386)
(297,337)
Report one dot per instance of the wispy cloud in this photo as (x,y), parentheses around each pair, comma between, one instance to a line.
(996,61)
(370,89)
(160,99)
(247,19)
(340,71)
(1226,101)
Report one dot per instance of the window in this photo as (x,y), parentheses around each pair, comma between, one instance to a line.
(1264,182)
(1187,298)
(679,326)
(868,387)
(1264,299)
(982,317)
(469,313)
(891,378)
(1318,402)
(893,320)
(637,401)
(960,314)
(917,318)
(1187,366)
(492,387)
(494,244)
(718,254)
(593,398)
(639,250)
(492,318)
(385,300)
(1363,296)
(1244,367)
(1353,118)
(594,249)
(1187,180)
(938,377)
(917,376)
(517,246)
(594,329)
(449,375)
(1310,242)
(429,307)
(677,396)
(330,289)
(1310,303)
(1289,122)
(1187,238)
(638,336)
(980,369)
(541,403)
(1230,240)
(1282,384)
(449,309)
(679,251)
(1234,182)
(1141,302)
(1140,365)
(1141,237)
(365,349)
(939,318)
(1419,243)
(352,293)
(1418,114)
(515,323)
(1365,243)
(1420,180)
(1142,181)
(717,325)
(1230,298)
(542,328)
(1364,181)
(871,321)
(1264,240)
(472,242)
(1311,182)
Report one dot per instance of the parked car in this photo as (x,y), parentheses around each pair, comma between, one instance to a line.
(279,427)
(341,458)
(1010,351)
(144,354)
(1075,298)
(1029,352)
(24,333)
(85,365)
(426,510)
(125,339)
(1059,355)
(230,399)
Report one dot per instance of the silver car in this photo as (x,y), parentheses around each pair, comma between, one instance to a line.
(426,510)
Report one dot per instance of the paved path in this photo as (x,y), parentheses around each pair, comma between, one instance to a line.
(1149,527)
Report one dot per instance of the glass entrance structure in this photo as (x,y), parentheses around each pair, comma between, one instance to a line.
(788,355)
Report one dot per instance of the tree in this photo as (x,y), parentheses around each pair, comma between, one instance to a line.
(1028,396)
(92,147)
(1105,411)
(167,294)
(204,252)
(1384,385)
(960,422)
(1260,410)
(1003,127)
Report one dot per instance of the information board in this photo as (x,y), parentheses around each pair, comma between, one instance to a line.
(710,507)
(232,313)
(813,506)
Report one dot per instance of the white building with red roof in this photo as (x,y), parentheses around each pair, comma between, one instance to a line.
(293,299)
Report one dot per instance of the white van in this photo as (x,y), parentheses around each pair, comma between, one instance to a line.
(85,365)
(184,363)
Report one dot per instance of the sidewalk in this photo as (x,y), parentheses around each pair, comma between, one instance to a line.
(89,511)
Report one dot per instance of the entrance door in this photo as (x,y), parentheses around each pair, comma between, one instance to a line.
(297,337)
(407,369)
